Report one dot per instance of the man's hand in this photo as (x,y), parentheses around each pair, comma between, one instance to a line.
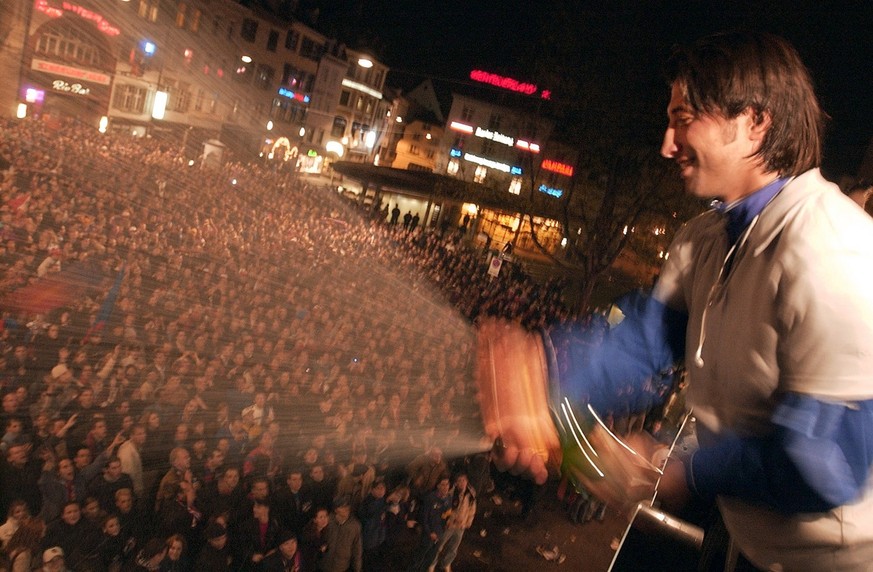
(512,380)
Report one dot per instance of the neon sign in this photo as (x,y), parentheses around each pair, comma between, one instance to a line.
(69,71)
(463,127)
(532,147)
(556,167)
(455,153)
(98,19)
(293,95)
(77,88)
(551,191)
(495,136)
(492,164)
(508,83)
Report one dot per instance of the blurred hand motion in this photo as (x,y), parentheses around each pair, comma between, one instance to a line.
(536,438)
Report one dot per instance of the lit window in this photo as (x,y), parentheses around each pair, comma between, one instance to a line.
(479,175)
(515,186)
(452,167)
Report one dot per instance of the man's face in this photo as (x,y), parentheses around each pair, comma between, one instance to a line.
(71,514)
(138,436)
(124,502)
(443,487)
(321,518)
(461,483)
(113,471)
(713,153)
(56,565)
(260,490)
(66,470)
(295,481)
(289,548)
(231,478)
(99,430)
(83,458)
(342,513)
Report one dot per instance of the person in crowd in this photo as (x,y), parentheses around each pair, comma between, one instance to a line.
(18,514)
(129,454)
(314,544)
(344,547)
(373,525)
(256,536)
(104,486)
(76,536)
(294,505)
(53,560)
(287,557)
(425,471)
(459,521)
(176,559)
(179,472)
(778,269)
(24,547)
(435,510)
(149,557)
(112,548)
(215,554)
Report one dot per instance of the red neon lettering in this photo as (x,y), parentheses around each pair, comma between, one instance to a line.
(503,82)
(557,167)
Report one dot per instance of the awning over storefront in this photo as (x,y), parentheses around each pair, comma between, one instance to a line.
(443,188)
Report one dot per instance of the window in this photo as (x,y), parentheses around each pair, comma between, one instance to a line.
(291,77)
(198,100)
(344,98)
(194,20)
(494,122)
(452,167)
(148,10)
(291,39)
(515,186)
(479,175)
(180,96)
(311,49)
(467,113)
(129,98)
(339,127)
(273,40)
(216,25)
(69,45)
(264,76)
(413,149)
(487,147)
(249,29)
(181,9)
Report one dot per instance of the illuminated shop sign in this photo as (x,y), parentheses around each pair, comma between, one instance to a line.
(69,71)
(76,88)
(362,88)
(556,167)
(462,127)
(551,191)
(32,95)
(495,136)
(508,83)
(455,153)
(532,147)
(95,17)
(293,95)
(492,164)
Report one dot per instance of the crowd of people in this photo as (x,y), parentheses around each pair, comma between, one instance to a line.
(230,368)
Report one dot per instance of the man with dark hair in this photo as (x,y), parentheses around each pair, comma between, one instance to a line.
(766,296)
(344,549)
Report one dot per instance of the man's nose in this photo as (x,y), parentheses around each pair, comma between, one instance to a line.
(668,145)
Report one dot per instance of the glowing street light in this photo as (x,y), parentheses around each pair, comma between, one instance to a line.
(21,112)
(270,125)
(246,59)
(365,63)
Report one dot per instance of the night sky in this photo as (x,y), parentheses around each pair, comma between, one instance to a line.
(445,39)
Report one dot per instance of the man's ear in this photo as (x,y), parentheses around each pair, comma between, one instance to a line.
(760,123)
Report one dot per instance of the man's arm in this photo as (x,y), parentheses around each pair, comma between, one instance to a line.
(818,458)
